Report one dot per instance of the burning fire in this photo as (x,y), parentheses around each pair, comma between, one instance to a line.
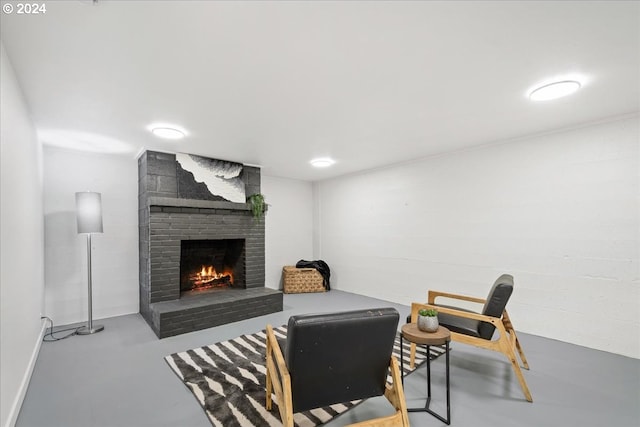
(209,277)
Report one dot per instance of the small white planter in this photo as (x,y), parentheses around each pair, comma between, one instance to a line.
(428,323)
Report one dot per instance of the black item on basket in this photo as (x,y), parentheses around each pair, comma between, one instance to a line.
(319,265)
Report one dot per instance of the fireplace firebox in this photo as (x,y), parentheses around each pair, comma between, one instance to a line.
(206,264)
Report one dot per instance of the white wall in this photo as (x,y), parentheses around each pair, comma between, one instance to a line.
(114,253)
(560,212)
(289,224)
(21,249)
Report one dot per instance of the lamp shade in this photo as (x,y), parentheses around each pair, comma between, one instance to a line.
(89,212)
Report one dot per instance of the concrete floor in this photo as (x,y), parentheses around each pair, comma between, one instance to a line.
(118,378)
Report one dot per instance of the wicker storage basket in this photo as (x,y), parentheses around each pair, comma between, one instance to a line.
(299,280)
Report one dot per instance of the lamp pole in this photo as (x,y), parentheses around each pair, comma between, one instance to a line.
(89,213)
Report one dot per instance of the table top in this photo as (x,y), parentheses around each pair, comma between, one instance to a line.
(411,333)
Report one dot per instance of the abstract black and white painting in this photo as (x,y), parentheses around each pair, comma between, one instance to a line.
(202,178)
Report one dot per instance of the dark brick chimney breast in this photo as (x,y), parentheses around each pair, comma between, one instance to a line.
(165,221)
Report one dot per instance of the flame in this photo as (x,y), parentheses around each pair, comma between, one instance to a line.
(208,275)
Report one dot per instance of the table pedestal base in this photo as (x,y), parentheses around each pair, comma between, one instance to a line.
(426,407)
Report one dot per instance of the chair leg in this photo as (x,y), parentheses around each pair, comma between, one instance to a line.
(508,349)
(525,364)
(412,358)
(395,395)
(506,321)
(521,380)
(269,391)
(268,379)
(399,402)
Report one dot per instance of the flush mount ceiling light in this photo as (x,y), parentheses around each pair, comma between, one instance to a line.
(322,162)
(167,131)
(554,90)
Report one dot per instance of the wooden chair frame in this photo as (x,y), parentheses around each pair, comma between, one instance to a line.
(279,382)
(507,342)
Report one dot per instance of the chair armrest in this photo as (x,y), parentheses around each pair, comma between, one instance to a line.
(273,351)
(278,375)
(415,307)
(435,294)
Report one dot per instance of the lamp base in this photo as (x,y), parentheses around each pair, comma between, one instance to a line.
(86,331)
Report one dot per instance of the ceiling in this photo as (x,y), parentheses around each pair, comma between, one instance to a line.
(276,84)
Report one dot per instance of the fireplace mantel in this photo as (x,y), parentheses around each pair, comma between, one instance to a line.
(191,203)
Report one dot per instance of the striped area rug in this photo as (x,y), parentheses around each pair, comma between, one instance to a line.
(228,380)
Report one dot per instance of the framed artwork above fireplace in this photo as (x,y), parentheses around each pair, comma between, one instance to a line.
(202,178)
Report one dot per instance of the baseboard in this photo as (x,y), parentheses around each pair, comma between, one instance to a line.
(22,391)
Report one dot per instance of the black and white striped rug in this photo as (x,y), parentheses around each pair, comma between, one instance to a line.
(228,379)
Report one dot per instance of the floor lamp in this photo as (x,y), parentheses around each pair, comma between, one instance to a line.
(89,214)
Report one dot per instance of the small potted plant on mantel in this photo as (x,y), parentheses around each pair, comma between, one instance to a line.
(257,205)
(428,320)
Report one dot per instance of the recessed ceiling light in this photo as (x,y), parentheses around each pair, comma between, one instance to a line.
(554,90)
(322,162)
(167,131)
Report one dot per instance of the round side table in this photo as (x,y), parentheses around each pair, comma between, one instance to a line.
(442,336)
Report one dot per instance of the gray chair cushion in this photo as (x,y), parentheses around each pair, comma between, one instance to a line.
(461,325)
(496,302)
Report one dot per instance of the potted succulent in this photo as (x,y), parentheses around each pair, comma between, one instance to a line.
(428,320)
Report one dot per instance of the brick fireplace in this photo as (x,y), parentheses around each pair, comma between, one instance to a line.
(172,227)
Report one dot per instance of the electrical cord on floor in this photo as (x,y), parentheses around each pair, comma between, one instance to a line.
(50,333)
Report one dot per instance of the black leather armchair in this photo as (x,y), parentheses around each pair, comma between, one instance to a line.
(478,329)
(333,358)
